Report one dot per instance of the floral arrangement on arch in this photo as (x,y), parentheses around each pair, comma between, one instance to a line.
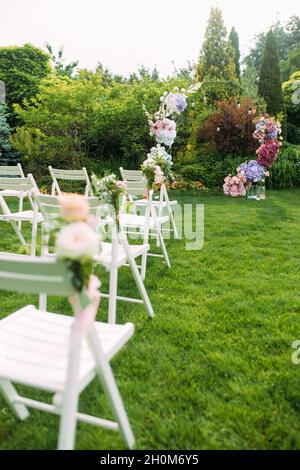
(267,132)
(157,166)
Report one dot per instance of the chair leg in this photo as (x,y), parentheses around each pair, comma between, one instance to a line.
(110,388)
(20,210)
(44,252)
(173,223)
(137,277)
(157,242)
(113,288)
(144,265)
(163,248)
(18,233)
(33,238)
(145,241)
(113,279)
(10,394)
(68,420)
(160,237)
(34,230)
(43,302)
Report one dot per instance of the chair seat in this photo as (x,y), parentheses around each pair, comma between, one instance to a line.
(12,192)
(133,220)
(23,215)
(34,348)
(106,252)
(144,202)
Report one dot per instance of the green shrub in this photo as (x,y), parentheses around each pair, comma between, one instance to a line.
(84,121)
(285,173)
(22,68)
(291,101)
(211,173)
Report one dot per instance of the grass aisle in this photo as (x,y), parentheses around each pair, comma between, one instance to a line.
(213,369)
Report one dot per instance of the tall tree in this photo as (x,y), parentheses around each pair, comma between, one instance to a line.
(287,36)
(22,68)
(216,58)
(59,62)
(249,83)
(292,64)
(233,40)
(216,68)
(269,85)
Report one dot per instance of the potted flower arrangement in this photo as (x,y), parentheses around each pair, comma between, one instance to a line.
(267,132)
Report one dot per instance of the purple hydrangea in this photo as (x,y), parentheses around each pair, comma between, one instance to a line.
(181,103)
(253,171)
(272,135)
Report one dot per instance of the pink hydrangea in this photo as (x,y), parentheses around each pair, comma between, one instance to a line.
(164,130)
(234,186)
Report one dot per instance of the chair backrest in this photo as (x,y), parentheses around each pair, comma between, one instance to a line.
(69,175)
(137,188)
(12,171)
(26,183)
(50,206)
(136,183)
(34,275)
(131,175)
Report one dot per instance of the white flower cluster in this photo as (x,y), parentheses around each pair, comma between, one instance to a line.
(76,241)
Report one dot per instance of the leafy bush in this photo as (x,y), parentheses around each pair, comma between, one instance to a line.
(22,68)
(291,100)
(210,172)
(285,173)
(72,122)
(230,128)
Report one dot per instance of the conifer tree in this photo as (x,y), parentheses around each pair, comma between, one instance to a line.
(6,154)
(269,85)
(233,40)
(216,58)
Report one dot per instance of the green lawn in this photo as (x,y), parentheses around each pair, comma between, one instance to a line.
(213,370)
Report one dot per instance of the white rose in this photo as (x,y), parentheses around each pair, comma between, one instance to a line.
(76,241)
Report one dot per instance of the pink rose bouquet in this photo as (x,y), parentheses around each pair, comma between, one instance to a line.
(164,130)
(235,185)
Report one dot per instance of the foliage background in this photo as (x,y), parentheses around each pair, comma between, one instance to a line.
(65,117)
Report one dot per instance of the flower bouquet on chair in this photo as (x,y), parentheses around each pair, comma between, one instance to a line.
(110,191)
(76,243)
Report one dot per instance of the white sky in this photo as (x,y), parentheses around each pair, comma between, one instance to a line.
(123,34)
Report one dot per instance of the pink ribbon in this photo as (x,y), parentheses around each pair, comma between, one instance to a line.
(85,317)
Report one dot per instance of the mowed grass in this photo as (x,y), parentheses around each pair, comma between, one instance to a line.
(213,370)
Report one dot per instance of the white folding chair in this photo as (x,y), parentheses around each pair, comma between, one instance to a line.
(69,175)
(39,350)
(27,186)
(113,255)
(149,223)
(162,203)
(14,171)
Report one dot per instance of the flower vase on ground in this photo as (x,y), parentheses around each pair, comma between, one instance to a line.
(262,189)
(251,191)
(257,195)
